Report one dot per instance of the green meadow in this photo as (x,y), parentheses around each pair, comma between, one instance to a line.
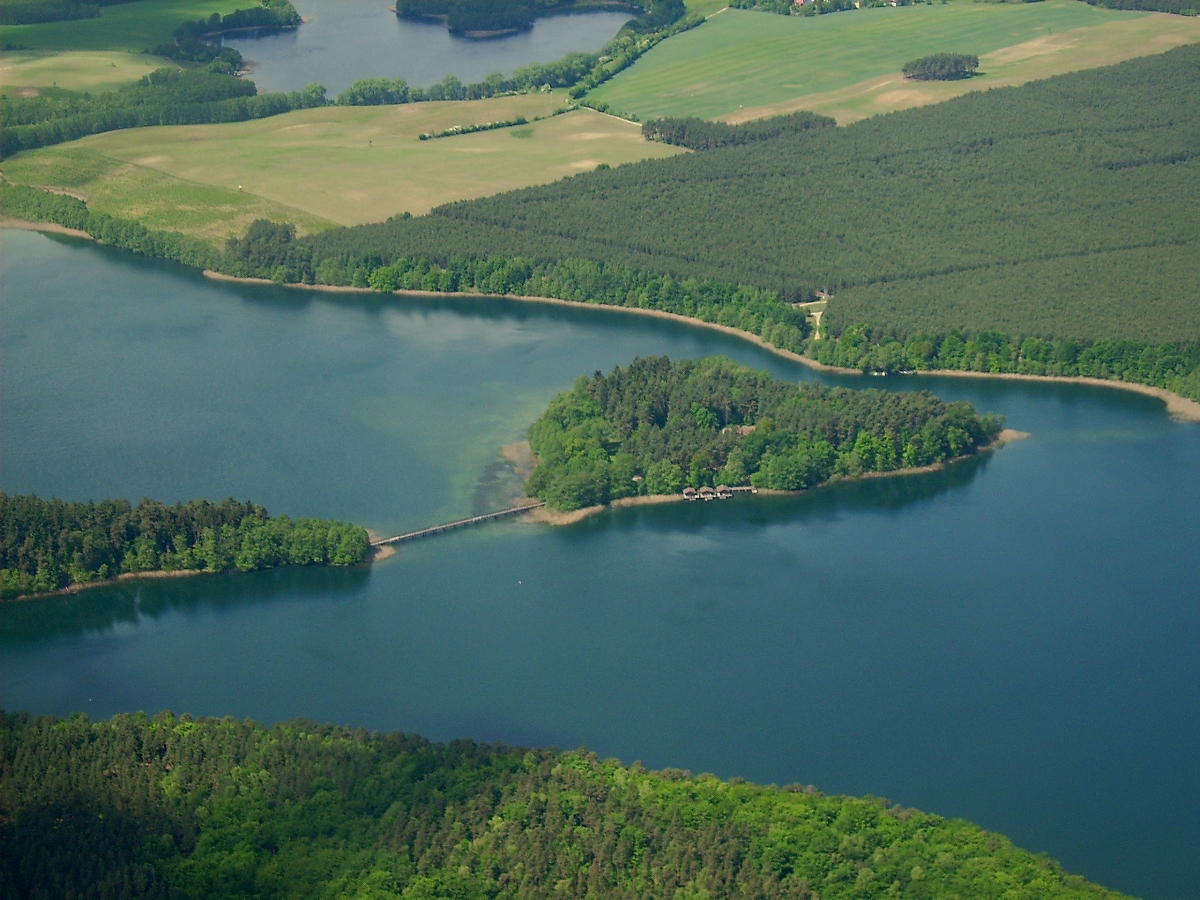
(741,60)
(25,72)
(336,165)
(136,26)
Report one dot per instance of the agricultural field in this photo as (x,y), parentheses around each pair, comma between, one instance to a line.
(135,27)
(336,165)
(744,64)
(26,73)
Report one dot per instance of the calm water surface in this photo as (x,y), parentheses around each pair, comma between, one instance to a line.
(1014,641)
(351,39)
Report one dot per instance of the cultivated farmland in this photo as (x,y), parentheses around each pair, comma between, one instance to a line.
(743,64)
(317,167)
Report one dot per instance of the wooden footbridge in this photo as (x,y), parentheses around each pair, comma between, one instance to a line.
(461,523)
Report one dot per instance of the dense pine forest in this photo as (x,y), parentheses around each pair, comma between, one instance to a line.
(702,134)
(655,426)
(177,807)
(1097,166)
(46,545)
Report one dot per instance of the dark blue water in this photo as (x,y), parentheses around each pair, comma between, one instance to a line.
(351,39)
(1014,640)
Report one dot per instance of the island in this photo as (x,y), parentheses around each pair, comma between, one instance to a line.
(49,546)
(706,428)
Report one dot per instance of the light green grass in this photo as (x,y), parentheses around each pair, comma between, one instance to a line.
(705,7)
(157,200)
(136,27)
(77,70)
(742,59)
(344,165)
(1054,54)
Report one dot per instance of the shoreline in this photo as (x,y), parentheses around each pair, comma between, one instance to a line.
(547,516)
(78,588)
(1178,407)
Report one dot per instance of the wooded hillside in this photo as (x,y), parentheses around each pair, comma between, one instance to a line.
(198,808)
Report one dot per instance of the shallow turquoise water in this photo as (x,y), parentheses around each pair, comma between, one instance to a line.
(1013,641)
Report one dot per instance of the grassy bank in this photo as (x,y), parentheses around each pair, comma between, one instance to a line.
(765,63)
(343,165)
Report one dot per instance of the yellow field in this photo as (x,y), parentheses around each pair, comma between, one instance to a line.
(1043,57)
(338,165)
(77,70)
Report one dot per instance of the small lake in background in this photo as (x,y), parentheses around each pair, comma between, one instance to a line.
(1015,640)
(351,39)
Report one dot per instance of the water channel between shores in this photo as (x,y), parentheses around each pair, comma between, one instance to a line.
(344,40)
(1013,640)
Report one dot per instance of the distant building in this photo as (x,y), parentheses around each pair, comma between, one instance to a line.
(689,493)
(707,493)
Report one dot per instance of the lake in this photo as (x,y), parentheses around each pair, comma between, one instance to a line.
(351,39)
(1015,640)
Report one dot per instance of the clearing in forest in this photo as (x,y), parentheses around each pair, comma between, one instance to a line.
(336,165)
(743,64)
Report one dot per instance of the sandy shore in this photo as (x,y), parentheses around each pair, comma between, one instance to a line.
(379,554)
(1180,408)
(550,517)
(51,227)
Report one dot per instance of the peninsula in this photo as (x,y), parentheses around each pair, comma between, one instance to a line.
(658,428)
(49,546)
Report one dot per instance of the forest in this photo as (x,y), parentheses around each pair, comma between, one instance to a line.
(191,43)
(1179,7)
(193,808)
(703,134)
(1007,194)
(46,545)
(654,427)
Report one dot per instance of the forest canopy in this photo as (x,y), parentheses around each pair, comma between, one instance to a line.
(194,808)
(1096,167)
(46,545)
(654,427)
(703,134)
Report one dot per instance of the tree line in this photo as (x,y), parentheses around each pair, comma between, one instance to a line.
(46,545)
(811,7)
(1179,7)
(703,134)
(654,427)
(193,808)
(191,43)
